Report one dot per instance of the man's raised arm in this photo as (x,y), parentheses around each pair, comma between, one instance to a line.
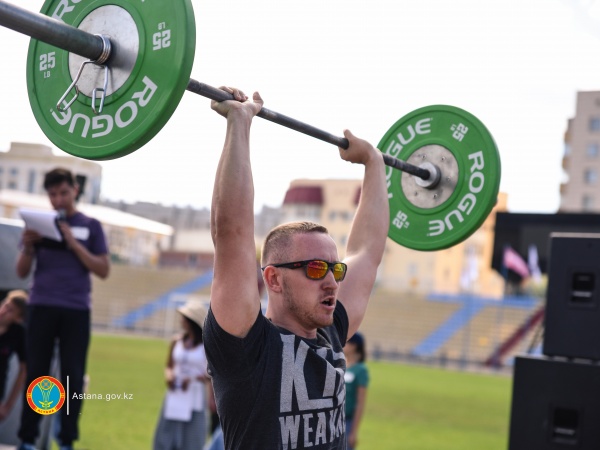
(235,298)
(367,238)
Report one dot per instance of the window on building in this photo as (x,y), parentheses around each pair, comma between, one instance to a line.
(31,182)
(590,176)
(14,171)
(332,216)
(587,203)
(12,185)
(592,150)
(594,123)
(95,187)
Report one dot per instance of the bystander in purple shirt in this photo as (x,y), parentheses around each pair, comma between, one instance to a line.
(60,278)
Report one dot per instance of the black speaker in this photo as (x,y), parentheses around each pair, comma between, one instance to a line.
(572,319)
(555,405)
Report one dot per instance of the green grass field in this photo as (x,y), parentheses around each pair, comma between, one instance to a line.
(408,407)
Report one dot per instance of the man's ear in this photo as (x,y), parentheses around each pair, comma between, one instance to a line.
(272,279)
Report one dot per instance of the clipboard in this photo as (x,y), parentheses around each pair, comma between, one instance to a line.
(42,221)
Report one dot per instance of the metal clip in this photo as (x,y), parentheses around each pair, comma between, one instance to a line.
(103,90)
(73,85)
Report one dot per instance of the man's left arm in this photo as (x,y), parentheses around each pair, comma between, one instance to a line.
(98,264)
(368,235)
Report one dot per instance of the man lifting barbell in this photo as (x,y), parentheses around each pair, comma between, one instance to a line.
(279,377)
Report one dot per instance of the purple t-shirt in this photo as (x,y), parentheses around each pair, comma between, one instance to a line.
(60,278)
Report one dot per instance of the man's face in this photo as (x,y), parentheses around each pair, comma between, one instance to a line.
(62,196)
(310,302)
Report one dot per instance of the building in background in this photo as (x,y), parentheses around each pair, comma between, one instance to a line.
(23,166)
(180,218)
(331,203)
(147,234)
(581,160)
(132,239)
(268,218)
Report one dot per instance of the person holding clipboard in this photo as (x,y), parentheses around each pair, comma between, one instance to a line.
(60,298)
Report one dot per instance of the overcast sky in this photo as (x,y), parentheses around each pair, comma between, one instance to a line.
(515,64)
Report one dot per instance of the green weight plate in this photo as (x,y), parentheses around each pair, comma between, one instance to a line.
(153,52)
(457,143)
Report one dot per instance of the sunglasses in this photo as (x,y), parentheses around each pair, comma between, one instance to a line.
(316,269)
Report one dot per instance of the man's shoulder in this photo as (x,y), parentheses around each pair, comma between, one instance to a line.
(213,330)
(361,367)
(80,219)
(92,224)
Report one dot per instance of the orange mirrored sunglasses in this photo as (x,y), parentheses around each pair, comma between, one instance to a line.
(316,269)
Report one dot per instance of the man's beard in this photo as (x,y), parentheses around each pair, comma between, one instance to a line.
(307,318)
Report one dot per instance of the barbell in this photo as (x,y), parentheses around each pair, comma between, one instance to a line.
(104,76)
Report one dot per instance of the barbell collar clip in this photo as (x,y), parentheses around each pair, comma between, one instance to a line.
(106,49)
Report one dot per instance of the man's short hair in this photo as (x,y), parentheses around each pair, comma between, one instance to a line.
(58,176)
(279,239)
(19,299)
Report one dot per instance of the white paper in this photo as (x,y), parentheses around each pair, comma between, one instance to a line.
(178,405)
(42,221)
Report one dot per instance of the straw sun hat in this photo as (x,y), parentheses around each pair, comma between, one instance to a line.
(194,311)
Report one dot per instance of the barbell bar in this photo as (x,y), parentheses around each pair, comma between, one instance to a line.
(139,55)
(97,48)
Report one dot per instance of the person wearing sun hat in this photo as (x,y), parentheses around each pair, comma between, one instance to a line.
(183,419)
(195,311)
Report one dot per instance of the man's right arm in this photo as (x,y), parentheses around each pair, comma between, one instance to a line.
(235,299)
